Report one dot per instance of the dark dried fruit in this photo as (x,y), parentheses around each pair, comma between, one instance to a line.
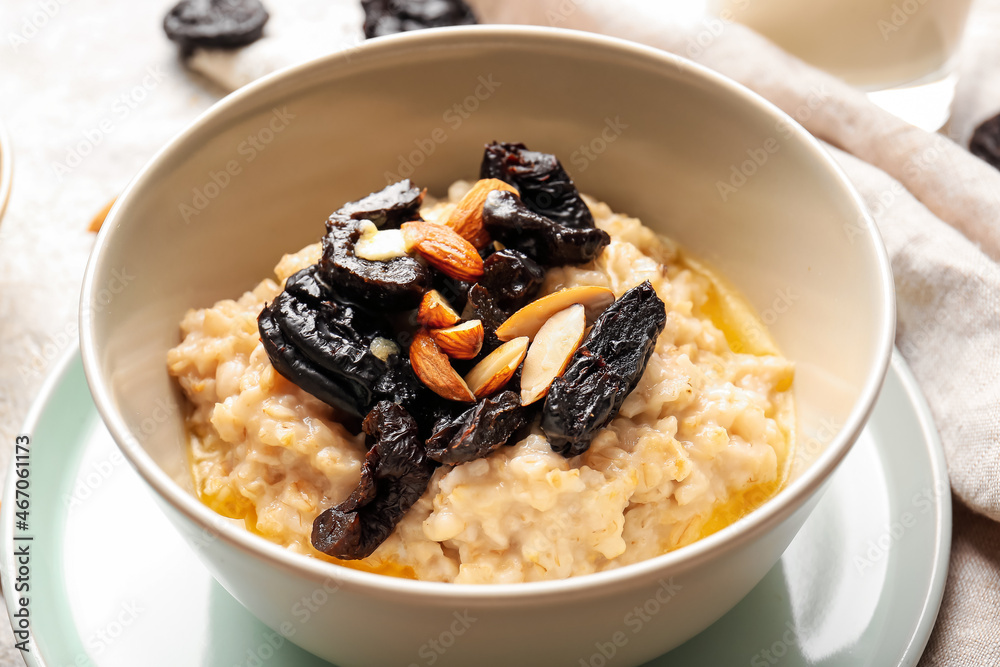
(512,278)
(321,345)
(398,284)
(387,17)
(478,431)
(544,185)
(394,476)
(215,24)
(456,292)
(604,370)
(483,307)
(389,207)
(985,142)
(546,241)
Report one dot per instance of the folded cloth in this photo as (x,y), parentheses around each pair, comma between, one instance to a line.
(937,206)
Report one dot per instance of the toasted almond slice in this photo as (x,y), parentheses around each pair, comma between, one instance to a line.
(443,249)
(467,218)
(435,312)
(528,320)
(462,341)
(379,245)
(550,351)
(434,369)
(496,370)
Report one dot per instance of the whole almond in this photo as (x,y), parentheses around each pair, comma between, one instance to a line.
(434,369)
(467,218)
(435,312)
(550,352)
(528,320)
(496,370)
(443,249)
(462,341)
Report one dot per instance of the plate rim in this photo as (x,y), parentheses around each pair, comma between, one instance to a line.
(51,383)
(927,618)
(910,650)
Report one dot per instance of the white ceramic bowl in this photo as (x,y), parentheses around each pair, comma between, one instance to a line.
(649,133)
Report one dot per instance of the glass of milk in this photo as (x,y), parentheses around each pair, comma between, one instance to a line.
(900,51)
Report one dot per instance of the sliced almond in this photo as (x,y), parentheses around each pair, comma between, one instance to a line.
(434,369)
(462,341)
(435,312)
(443,249)
(550,352)
(528,320)
(496,370)
(467,218)
(379,245)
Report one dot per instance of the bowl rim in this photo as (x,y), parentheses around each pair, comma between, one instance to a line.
(6,168)
(746,529)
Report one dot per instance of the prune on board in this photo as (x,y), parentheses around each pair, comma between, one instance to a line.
(322,345)
(544,185)
(512,278)
(389,207)
(394,475)
(215,24)
(397,284)
(603,371)
(985,142)
(478,431)
(546,241)
(387,17)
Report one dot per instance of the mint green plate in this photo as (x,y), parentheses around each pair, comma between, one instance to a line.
(112,585)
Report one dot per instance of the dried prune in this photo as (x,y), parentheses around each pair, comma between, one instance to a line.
(322,345)
(546,241)
(387,17)
(455,292)
(478,431)
(218,24)
(483,307)
(401,385)
(544,185)
(397,284)
(985,142)
(389,207)
(512,278)
(395,474)
(603,371)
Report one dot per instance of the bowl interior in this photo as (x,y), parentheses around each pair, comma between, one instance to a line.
(694,156)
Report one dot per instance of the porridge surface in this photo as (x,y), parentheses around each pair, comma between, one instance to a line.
(702,439)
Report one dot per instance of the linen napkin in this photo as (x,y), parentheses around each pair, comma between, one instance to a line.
(937,206)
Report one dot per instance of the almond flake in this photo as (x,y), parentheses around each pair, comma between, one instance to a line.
(462,341)
(496,370)
(528,320)
(550,352)
(467,217)
(434,369)
(443,249)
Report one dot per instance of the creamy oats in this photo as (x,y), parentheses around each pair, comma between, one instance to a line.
(704,438)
